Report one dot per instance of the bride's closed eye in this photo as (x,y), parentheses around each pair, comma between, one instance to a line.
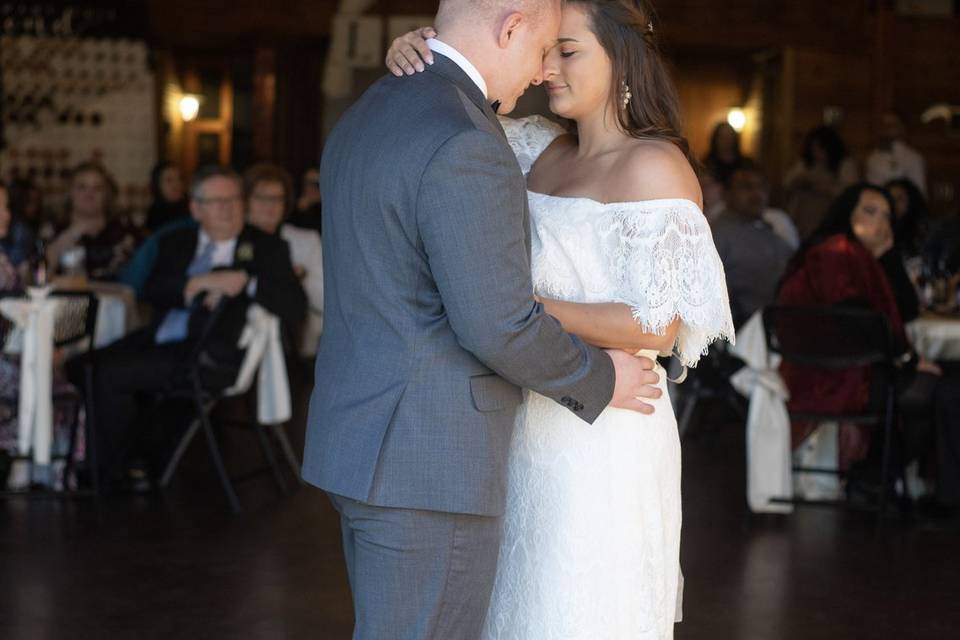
(566,54)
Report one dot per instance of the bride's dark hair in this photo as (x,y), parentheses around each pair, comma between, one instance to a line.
(626,29)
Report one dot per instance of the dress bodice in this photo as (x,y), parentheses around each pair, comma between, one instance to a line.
(656,256)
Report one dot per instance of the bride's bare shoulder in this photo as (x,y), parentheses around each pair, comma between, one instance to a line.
(656,169)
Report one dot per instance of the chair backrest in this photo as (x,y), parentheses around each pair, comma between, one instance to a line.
(76,319)
(829,337)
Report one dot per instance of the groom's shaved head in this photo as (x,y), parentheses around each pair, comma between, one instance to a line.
(456,9)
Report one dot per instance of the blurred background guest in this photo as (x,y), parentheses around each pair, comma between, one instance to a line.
(841,265)
(169,196)
(724,153)
(308,213)
(222,264)
(824,170)
(753,253)
(893,158)
(911,217)
(16,245)
(26,200)
(269,194)
(93,241)
(713,196)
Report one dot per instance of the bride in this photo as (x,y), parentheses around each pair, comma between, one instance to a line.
(623,257)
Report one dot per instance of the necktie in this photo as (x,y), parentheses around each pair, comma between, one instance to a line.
(176,324)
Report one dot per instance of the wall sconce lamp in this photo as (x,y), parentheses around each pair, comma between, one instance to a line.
(189,105)
(737,119)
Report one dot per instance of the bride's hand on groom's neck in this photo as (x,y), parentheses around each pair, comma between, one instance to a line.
(408,52)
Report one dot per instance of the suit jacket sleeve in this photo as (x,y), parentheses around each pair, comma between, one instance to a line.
(278,288)
(168,278)
(468,212)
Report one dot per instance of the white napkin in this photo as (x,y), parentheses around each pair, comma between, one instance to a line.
(264,353)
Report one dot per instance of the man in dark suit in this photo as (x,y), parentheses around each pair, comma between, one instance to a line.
(222,267)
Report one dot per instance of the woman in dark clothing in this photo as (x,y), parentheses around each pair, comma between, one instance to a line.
(93,240)
(725,154)
(169,196)
(911,216)
(843,264)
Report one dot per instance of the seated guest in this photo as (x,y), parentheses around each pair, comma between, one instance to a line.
(169,197)
(821,174)
(724,154)
(893,158)
(911,217)
(16,245)
(308,210)
(269,193)
(94,241)
(221,262)
(841,265)
(26,201)
(753,254)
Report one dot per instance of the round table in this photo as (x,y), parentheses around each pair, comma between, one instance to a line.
(935,336)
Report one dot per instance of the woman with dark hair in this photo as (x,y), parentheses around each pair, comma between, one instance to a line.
(911,216)
(844,263)
(823,172)
(724,155)
(623,257)
(94,241)
(169,196)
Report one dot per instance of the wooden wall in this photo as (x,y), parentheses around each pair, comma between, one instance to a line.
(858,55)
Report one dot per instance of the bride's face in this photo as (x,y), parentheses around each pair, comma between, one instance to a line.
(577,71)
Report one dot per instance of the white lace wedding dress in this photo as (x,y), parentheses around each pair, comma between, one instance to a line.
(591,546)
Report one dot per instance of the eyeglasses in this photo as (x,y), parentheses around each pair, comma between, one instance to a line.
(218,203)
(268,199)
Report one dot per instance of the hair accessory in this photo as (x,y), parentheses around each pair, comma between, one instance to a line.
(650,27)
(626,94)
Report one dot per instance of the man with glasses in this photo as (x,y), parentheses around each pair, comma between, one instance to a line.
(220,263)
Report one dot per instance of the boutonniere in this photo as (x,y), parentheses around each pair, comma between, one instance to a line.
(245,252)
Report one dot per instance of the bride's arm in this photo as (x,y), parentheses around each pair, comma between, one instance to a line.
(609,325)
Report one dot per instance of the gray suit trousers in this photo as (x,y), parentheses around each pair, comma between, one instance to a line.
(418,575)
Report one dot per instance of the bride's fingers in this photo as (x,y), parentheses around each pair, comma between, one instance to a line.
(403,58)
(398,64)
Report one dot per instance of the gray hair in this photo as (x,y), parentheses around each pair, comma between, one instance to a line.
(209,172)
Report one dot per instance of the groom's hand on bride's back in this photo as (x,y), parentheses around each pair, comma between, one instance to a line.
(636,382)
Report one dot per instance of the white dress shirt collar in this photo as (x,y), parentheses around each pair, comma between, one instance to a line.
(222,252)
(458,58)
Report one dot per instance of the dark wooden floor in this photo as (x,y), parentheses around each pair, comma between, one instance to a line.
(182,567)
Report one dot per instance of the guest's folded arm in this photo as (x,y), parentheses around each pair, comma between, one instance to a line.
(278,289)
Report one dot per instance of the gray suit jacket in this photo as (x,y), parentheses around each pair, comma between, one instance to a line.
(431,329)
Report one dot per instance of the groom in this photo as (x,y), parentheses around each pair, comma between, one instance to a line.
(431,329)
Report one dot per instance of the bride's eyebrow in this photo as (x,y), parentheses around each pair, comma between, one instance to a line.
(562,40)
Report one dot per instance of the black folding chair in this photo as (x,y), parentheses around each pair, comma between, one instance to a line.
(709,381)
(832,339)
(203,401)
(74,329)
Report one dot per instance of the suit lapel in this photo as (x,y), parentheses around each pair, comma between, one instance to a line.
(450,71)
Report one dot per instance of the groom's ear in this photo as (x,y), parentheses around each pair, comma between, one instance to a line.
(509,27)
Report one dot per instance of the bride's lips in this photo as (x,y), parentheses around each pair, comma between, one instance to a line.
(555,88)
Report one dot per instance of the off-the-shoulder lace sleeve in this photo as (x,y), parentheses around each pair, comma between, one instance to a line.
(666,266)
(528,137)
